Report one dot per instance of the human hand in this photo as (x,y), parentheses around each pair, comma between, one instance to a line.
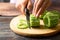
(40,6)
(21,4)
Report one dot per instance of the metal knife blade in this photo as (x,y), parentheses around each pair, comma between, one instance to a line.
(27,17)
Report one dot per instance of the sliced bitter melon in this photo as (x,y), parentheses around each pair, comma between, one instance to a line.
(50,19)
(34,22)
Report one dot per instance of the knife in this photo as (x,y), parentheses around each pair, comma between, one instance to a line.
(27,17)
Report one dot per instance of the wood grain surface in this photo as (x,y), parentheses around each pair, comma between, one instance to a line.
(41,31)
(7,34)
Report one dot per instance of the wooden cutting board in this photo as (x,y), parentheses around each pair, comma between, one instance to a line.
(33,31)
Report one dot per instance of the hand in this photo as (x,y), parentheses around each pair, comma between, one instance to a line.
(21,4)
(40,6)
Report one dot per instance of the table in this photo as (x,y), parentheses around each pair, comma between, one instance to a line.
(7,34)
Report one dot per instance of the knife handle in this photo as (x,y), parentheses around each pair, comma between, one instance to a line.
(27,12)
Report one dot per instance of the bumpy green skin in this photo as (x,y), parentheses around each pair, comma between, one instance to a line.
(22,24)
(34,22)
(46,11)
(51,19)
(41,17)
(56,12)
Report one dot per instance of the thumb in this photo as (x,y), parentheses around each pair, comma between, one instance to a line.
(22,10)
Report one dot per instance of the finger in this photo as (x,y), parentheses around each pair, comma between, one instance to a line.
(42,9)
(29,6)
(21,4)
(18,8)
(21,9)
(24,6)
(49,3)
(38,5)
(34,7)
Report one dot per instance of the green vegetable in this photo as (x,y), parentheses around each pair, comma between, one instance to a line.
(56,12)
(53,11)
(51,19)
(22,24)
(34,22)
(41,17)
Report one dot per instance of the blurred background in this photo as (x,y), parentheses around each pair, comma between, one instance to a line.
(54,2)
(8,7)
(4,0)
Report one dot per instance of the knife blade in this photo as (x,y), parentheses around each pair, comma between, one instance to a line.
(28,17)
